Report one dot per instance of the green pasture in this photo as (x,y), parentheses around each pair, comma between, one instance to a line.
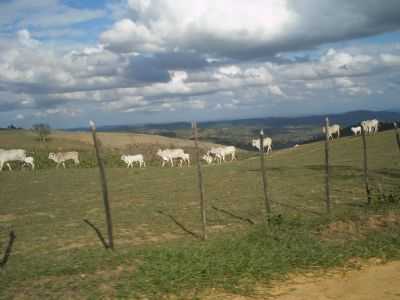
(56,255)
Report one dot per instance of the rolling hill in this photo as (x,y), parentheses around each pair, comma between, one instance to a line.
(285,131)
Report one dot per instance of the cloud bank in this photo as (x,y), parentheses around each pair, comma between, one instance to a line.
(206,58)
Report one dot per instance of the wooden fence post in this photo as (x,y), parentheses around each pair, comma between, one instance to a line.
(104,188)
(327,169)
(264,176)
(397,134)
(7,253)
(203,204)
(365,165)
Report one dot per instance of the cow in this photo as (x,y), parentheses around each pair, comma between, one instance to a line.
(217,153)
(207,158)
(130,159)
(62,157)
(220,153)
(230,150)
(267,143)
(332,130)
(370,126)
(11,155)
(168,155)
(29,160)
(356,130)
(185,158)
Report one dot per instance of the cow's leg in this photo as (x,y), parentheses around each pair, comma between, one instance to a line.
(63,163)
(9,166)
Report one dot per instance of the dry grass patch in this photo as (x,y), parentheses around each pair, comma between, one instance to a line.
(358,229)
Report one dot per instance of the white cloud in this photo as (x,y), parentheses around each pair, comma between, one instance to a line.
(245,29)
(201,56)
(390,59)
(276,90)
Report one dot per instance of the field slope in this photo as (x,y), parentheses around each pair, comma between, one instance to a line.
(57,256)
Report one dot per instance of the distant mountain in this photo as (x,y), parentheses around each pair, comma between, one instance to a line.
(344,119)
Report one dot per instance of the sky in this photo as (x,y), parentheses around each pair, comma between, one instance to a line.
(65,62)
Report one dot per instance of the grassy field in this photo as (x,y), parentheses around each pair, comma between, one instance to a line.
(56,255)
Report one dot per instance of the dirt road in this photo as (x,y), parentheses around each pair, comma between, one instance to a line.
(371,282)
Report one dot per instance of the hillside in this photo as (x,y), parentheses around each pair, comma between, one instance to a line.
(285,131)
(83,140)
(57,255)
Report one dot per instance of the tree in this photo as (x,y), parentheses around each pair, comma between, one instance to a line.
(42,130)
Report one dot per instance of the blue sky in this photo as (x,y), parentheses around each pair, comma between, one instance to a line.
(135,61)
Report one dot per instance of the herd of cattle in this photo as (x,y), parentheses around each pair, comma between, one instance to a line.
(168,156)
(370,127)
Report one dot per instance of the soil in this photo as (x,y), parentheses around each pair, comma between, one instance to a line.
(368,282)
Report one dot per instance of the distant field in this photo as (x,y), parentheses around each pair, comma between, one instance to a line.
(241,136)
(57,256)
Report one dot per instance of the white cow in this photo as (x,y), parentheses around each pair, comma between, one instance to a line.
(62,157)
(130,159)
(185,158)
(207,158)
(168,155)
(220,153)
(11,155)
(217,153)
(30,161)
(230,150)
(356,130)
(370,126)
(267,143)
(334,129)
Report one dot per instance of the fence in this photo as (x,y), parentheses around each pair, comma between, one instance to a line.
(269,202)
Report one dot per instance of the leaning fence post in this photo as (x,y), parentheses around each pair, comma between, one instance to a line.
(397,134)
(7,253)
(104,187)
(327,169)
(203,204)
(264,176)
(365,165)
